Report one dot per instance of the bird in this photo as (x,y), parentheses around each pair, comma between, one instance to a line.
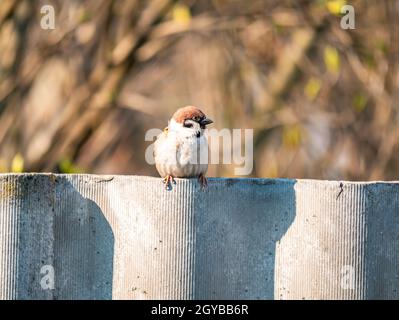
(181,149)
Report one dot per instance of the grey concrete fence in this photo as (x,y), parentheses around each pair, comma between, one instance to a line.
(126,237)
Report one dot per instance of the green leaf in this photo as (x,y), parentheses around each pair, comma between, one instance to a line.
(334,6)
(84,16)
(181,14)
(332,59)
(359,102)
(17,164)
(292,136)
(66,166)
(312,88)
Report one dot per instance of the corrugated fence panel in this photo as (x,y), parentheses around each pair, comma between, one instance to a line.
(126,237)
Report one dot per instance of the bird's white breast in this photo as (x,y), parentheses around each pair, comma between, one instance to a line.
(181,156)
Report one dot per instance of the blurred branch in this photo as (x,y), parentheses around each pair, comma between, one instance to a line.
(280,76)
(132,39)
(87,112)
(6,8)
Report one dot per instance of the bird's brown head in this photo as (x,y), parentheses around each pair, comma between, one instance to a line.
(187,115)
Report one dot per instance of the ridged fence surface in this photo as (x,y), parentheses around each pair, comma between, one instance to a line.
(126,237)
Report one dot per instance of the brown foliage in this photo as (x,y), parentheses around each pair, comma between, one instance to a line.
(323,101)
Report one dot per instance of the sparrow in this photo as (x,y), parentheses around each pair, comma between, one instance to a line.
(181,150)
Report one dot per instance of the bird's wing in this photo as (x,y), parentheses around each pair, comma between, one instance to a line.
(160,139)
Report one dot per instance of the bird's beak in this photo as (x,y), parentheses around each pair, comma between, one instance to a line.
(206,121)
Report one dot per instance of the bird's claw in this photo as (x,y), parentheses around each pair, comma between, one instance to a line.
(167,181)
(203,181)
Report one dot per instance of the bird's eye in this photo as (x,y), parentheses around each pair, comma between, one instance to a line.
(188,125)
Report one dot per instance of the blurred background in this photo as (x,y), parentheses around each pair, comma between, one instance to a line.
(323,101)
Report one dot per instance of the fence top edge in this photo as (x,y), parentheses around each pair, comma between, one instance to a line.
(227,180)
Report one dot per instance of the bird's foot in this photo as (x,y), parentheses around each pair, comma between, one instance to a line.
(203,181)
(167,181)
